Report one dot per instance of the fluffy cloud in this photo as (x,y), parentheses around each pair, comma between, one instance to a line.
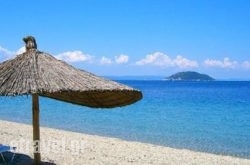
(225,63)
(182,62)
(21,50)
(5,54)
(246,64)
(122,59)
(105,60)
(163,60)
(74,56)
(5,51)
(157,58)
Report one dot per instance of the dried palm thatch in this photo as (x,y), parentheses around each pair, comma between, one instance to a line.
(40,74)
(35,72)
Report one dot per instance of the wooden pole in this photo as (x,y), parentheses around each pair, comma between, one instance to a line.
(36,129)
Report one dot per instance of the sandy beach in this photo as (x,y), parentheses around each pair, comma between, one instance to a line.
(71,148)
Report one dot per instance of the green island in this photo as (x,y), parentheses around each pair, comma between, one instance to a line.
(189,76)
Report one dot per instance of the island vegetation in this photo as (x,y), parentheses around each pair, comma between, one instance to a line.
(189,76)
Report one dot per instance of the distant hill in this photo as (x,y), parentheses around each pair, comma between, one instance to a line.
(190,76)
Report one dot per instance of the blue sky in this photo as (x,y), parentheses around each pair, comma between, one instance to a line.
(134,37)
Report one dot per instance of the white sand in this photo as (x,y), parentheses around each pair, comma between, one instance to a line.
(99,150)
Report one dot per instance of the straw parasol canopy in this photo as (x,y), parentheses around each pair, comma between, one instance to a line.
(35,72)
(39,74)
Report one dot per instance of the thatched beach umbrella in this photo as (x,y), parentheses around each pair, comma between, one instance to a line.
(40,74)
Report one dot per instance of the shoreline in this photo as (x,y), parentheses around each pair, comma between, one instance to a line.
(65,147)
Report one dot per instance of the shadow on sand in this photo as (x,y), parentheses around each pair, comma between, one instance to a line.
(20,159)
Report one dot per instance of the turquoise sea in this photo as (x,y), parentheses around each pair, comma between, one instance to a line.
(212,116)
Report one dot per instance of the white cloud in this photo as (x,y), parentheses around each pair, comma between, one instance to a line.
(5,54)
(122,59)
(163,60)
(5,51)
(225,63)
(105,60)
(246,64)
(74,56)
(157,58)
(21,50)
(182,62)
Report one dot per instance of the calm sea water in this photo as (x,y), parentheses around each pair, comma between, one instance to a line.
(202,116)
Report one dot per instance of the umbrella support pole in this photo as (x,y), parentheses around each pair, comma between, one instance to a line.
(36,129)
